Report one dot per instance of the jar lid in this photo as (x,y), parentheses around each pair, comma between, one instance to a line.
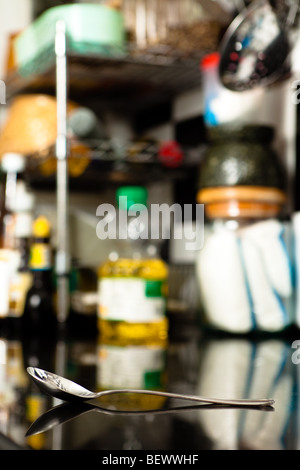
(242,201)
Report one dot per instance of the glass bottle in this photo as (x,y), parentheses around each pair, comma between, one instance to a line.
(133,281)
(39,313)
(21,279)
(12,166)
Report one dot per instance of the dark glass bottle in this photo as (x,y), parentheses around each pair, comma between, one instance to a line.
(39,313)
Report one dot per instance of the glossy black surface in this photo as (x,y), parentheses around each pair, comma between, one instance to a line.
(194,363)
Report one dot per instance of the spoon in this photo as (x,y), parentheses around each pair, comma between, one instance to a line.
(256,47)
(66,390)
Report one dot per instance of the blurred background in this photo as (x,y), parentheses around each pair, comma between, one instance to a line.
(161,103)
(196,101)
(140,101)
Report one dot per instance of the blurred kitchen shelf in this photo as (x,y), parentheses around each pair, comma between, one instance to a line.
(132,81)
(154,74)
(95,163)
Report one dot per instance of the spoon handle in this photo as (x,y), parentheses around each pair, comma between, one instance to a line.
(215,401)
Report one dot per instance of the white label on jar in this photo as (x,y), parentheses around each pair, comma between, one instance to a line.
(130,299)
(130,367)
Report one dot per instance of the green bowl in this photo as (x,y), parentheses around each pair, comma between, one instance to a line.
(90,28)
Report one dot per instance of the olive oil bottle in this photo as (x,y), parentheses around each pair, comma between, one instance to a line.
(132,286)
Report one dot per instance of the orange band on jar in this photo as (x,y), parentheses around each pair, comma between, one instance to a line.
(242,201)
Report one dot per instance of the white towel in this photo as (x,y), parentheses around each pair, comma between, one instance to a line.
(222,284)
(267,236)
(245,277)
(268,273)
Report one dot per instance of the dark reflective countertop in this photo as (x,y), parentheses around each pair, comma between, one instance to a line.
(193,362)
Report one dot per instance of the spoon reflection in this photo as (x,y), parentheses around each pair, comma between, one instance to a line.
(68,411)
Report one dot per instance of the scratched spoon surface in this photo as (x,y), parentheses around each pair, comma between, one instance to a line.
(66,390)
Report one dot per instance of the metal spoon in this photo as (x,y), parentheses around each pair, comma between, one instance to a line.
(66,390)
(256,47)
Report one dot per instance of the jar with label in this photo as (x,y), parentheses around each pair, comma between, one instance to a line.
(245,270)
(132,286)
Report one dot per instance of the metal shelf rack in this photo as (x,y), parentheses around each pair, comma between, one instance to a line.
(136,77)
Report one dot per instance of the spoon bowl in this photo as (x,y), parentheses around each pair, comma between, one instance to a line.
(66,390)
(255,49)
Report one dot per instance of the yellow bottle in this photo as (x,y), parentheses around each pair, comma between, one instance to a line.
(132,286)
